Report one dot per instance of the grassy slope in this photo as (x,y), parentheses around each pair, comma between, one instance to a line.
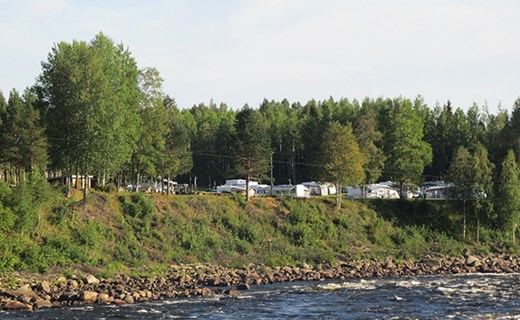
(116,231)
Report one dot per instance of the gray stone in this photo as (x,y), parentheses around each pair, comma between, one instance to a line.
(432,263)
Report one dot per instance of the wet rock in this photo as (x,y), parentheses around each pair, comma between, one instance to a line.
(43,304)
(104,298)
(232,292)
(129,299)
(243,286)
(207,292)
(16,305)
(69,296)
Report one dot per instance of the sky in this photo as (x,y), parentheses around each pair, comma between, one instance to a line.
(242,51)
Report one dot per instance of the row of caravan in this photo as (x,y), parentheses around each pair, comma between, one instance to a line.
(381,190)
(302,190)
(387,190)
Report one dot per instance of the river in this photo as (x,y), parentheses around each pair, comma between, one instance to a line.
(475,296)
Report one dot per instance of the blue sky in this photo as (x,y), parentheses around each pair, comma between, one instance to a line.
(241,52)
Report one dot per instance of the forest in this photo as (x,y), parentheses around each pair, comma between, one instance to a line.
(94,111)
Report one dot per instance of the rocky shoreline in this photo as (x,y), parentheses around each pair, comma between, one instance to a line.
(209,280)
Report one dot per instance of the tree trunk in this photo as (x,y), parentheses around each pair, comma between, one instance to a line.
(464,219)
(514,231)
(338,195)
(168,185)
(137,181)
(478,224)
(401,189)
(247,188)
(77,179)
(85,180)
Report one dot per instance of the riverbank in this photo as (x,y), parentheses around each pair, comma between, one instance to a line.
(36,292)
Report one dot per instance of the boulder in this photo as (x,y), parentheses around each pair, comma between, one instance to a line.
(45,287)
(232,292)
(472,261)
(68,296)
(243,286)
(88,296)
(207,292)
(73,284)
(23,293)
(431,263)
(16,305)
(129,299)
(90,279)
(43,304)
(61,279)
(389,264)
(103,298)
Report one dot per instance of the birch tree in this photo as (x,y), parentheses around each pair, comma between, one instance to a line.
(341,158)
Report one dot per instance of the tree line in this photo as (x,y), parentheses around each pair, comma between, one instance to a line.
(93,111)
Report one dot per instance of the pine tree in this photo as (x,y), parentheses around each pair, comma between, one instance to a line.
(407,153)
(368,137)
(252,147)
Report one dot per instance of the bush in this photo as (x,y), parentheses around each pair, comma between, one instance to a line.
(137,205)
(109,188)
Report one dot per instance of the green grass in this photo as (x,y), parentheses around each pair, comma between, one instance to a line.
(119,232)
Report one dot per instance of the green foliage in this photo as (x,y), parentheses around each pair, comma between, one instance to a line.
(137,205)
(251,148)
(109,188)
(91,91)
(342,158)
(407,153)
(509,195)
(368,138)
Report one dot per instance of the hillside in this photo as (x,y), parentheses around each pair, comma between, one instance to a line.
(118,231)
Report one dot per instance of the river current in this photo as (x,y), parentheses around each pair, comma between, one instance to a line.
(475,296)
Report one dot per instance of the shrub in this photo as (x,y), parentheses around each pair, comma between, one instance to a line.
(137,205)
